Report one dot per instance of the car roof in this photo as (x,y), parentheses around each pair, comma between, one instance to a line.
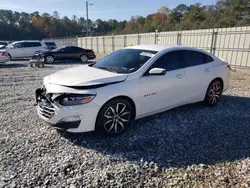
(160,47)
(26,41)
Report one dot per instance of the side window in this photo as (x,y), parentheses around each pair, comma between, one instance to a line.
(18,45)
(169,61)
(207,58)
(36,44)
(27,44)
(68,50)
(31,44)
(76,49)
(192,58)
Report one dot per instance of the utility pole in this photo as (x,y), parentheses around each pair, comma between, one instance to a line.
(87,12)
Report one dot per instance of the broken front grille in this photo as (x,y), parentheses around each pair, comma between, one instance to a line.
(45,108)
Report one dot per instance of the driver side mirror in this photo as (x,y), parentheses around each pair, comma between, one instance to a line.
(157,71)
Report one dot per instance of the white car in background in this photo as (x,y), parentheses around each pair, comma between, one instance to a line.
(4,57)
(23,49)
(129,84)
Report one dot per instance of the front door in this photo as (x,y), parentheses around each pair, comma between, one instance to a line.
(159,92)
(17,50)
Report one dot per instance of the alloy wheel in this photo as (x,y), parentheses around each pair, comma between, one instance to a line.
(115,118)
(50,59)
(84,58)
(214,92)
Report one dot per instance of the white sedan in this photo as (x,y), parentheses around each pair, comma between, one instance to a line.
(129,84)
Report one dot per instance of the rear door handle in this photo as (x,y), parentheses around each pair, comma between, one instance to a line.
(208,70)
(180,76)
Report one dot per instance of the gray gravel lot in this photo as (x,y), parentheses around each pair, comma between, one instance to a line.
(191,146)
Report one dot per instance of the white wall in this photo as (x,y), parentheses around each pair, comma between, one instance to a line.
(232,44)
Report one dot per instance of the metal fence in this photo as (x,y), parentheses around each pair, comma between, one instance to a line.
(64,41)
(231,44)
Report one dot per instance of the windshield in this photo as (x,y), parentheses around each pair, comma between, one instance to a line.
(125,60)
(11,44)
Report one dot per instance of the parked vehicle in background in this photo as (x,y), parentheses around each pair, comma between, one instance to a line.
(51,45)
(23,49)
(4,57)
(3,44)
(66,53)
(129,84)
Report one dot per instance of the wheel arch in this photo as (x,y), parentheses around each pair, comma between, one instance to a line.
(121,97)
(219,79)
(83,54)
(9,55)
(52,55)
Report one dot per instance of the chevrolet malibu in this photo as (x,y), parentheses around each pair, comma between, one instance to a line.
(130,84)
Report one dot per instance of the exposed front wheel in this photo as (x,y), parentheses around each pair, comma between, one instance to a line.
(214,92)
(115,117)
(50,59)
(84,58)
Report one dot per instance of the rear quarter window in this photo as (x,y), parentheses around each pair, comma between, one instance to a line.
(207,58)
(195,58)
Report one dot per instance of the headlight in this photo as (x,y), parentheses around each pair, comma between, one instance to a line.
(74,99)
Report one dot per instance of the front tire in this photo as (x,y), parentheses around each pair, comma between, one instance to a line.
(213,93)
(50,59)
(84,58)
(115,117)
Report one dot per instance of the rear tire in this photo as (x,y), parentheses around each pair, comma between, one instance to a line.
(84,58)
(115,117)
(50,59)
(213,93)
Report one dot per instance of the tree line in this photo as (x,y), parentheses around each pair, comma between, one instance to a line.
(225,13)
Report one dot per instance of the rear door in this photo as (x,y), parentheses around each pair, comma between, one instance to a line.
(29,49)
(65,53)
(37,46)
(71,53)
(76,52)
(198,67)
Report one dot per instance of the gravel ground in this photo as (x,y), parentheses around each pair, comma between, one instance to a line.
(191,146)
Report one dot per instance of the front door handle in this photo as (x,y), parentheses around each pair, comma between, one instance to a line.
(208,70)
(180,76)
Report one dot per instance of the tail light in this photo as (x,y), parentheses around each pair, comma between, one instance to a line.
(230,68)
(4,54)
(46,48)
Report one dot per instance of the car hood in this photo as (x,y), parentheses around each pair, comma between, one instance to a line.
(83,75)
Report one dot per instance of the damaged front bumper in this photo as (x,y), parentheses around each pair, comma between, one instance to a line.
(46,109)
(79,118)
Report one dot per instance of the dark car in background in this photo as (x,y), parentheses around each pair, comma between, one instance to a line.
(51,45)
(65,53)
